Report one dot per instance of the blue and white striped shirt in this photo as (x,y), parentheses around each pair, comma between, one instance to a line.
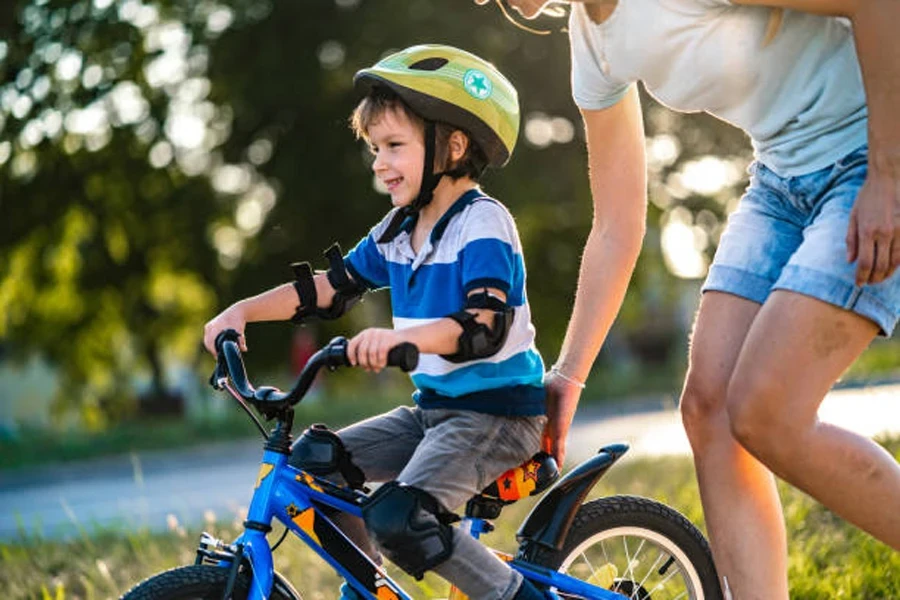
(473,245)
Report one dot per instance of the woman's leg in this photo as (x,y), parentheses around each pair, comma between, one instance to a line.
(740,502)
(795,350)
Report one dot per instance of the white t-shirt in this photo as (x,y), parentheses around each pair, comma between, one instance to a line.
(800,98)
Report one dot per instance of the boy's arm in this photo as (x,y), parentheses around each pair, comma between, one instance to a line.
(370,347)
(278,304)
(442,337)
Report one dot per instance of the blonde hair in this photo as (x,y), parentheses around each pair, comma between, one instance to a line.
(775,19)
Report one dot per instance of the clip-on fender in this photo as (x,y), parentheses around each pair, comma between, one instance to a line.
(548,522)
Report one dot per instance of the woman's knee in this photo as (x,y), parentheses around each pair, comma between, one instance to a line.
(756,417)
(702,405)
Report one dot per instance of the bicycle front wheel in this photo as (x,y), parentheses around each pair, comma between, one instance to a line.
(202,582)
(639,548)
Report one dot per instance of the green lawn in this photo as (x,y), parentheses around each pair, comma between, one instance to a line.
(828,558)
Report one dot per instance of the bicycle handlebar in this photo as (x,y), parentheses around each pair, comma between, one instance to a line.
(230,364)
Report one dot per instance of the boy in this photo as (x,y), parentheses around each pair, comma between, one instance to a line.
(434,117)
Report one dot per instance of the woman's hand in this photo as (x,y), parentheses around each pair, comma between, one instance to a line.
(562,400)
(369,348)
(230,318)
(873,238)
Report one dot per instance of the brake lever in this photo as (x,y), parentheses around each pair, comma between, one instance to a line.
(218,378)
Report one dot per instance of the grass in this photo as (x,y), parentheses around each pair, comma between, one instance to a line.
(828,558)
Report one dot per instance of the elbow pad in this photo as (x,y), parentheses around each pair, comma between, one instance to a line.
(477,340)
(346,291)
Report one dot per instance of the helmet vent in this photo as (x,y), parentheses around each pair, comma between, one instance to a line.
(429,64)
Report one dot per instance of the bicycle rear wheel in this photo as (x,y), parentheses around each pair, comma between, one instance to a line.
(201,582)
(637,547)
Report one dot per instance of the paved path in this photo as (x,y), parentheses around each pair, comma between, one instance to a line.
(191,485)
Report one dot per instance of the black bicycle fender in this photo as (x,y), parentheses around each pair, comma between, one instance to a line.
(548,522)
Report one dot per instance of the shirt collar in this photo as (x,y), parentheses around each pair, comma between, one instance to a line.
(457,207)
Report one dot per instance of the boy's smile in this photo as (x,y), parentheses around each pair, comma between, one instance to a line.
(399,149)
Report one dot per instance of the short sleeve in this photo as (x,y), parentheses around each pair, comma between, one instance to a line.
(489,248)
(366,262)
(592,89)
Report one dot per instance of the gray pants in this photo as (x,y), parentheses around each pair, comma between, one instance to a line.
(452,455)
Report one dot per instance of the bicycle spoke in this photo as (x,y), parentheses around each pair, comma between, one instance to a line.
(629,567)
(590,566)
(667,578)
(651,570)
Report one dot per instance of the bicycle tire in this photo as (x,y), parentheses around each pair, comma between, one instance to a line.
(655,526)
(201,582)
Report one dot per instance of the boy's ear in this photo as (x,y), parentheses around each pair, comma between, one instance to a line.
(458,144)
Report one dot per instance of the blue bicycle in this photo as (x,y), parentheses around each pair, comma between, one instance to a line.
(614,547)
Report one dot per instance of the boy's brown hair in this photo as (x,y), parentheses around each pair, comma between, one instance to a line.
(382,99)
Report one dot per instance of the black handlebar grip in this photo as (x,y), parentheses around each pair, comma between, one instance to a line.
(226,335)
(405,356)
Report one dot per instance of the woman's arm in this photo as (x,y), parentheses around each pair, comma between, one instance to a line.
(873,238)
(618,177)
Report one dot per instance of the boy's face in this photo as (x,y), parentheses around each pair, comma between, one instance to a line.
(399,148)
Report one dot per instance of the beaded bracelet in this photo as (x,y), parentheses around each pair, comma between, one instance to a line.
(555,371)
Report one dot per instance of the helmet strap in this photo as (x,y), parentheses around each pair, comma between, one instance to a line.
(430,179)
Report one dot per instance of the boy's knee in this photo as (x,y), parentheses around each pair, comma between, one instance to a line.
(409,526)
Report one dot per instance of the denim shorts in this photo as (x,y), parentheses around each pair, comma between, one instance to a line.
(789,233)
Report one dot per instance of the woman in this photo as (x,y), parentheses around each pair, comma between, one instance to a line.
(806,272)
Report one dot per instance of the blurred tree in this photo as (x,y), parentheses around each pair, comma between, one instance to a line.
(105,262)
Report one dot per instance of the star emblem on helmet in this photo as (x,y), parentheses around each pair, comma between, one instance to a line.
(477,84)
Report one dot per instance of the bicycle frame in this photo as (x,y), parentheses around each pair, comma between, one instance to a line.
(297,498)
(294,498)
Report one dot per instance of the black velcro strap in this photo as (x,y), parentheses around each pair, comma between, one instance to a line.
(305,286)
(346,291)
(484,299)
(337,273)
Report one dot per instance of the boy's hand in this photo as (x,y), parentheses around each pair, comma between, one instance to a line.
(369,348)
(230,318)
(562,400)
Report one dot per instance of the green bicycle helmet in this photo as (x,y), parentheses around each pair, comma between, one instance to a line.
(443,83)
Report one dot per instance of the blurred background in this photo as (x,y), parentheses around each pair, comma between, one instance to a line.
(161,159)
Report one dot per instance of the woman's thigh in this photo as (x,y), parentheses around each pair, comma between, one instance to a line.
(795,350)
(722,323)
